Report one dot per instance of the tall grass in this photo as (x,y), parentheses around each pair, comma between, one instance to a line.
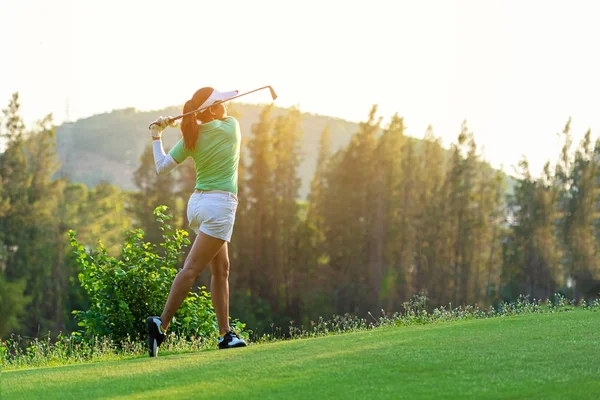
(21,352)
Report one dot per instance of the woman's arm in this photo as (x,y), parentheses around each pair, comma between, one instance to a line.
(164,162)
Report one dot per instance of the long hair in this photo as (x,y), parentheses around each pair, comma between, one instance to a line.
(189,123)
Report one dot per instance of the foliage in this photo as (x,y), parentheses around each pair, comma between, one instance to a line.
(388,216)
(124,290)
(37,207)
(12,305)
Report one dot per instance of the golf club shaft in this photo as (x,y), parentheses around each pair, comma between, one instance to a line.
(273,95)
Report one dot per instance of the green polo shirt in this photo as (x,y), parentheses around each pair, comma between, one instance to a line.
(216,155)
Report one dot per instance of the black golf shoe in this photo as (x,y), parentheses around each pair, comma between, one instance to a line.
(230,340)
(155,335)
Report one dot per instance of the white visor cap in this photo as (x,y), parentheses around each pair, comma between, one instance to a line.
(218,96)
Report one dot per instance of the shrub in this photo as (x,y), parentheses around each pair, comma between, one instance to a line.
(123,291)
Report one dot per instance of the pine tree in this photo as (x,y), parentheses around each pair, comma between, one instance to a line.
(561,184)
(580,236)
(47,243)
(433,252)
(13,188)
(486,220)
(33,229)
(531,250)
(406,210)
(384,267)
(348,214)
(287,136)
(318,185)
(261,202)
(491,258)
(16,183)
(314,280)
(460,183)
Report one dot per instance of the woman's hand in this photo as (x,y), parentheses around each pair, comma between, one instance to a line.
(159,125)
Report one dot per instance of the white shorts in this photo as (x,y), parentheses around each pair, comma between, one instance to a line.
(212,213)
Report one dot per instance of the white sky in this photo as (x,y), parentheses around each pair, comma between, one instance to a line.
(516,70)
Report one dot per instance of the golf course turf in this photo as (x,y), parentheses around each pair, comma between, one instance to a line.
(541,356)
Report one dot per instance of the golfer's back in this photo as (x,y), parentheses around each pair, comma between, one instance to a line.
(216,155)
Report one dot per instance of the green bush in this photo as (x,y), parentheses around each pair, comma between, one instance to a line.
(123,291)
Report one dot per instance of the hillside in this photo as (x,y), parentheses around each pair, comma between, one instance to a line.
(107,147)
(537,356)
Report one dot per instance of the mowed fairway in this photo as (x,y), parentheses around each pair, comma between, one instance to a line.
(541,356)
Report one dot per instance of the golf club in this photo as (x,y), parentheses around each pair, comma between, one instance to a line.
(273,96)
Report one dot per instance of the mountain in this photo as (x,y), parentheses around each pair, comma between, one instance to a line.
(107,147)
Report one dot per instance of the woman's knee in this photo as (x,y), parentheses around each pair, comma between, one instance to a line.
(191,269)
(187,274)
(220,270)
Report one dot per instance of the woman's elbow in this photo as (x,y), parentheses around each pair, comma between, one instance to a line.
(165,166)
(165,169)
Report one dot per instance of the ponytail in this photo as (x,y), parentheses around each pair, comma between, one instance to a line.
(189,123)
(189,126)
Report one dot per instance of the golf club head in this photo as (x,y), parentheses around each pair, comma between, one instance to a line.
(273,95)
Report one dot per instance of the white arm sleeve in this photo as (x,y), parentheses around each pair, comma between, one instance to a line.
(164,162)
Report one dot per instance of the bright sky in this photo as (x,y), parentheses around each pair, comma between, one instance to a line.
(515,70)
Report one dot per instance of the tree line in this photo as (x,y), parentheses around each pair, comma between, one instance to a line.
(388,216)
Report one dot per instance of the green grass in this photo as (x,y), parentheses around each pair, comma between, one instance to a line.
(543,356)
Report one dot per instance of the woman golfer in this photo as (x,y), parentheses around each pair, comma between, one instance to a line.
(214,145)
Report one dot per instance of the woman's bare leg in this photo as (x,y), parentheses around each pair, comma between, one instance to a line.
(203,251)
(219,288)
